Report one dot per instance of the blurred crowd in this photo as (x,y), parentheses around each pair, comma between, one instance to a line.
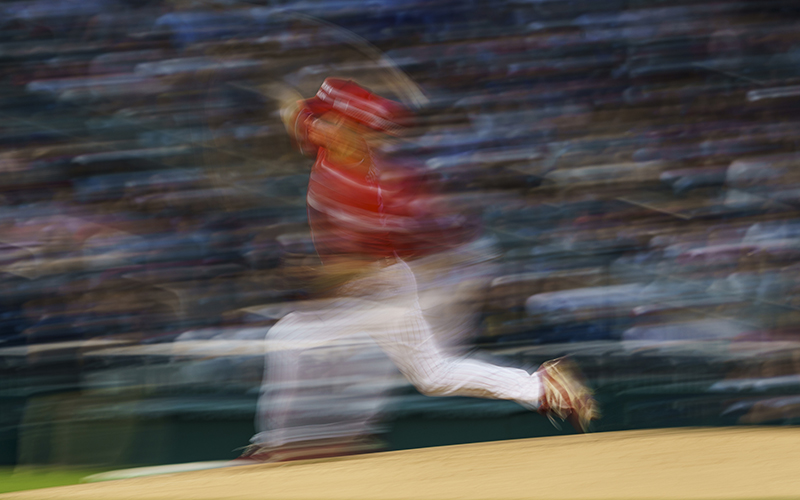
(634,164)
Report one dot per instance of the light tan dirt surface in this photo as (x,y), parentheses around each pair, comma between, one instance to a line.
(751,463)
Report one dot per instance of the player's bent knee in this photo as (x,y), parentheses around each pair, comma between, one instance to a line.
(427,389)
(431,384)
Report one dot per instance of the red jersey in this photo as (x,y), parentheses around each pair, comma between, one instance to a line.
(370,209)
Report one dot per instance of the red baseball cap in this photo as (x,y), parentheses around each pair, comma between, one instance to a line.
(360,105)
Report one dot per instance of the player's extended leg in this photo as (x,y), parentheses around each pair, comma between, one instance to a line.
(280,384)
(306,396)
(407,339)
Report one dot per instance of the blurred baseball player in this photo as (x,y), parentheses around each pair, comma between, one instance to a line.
(366,221)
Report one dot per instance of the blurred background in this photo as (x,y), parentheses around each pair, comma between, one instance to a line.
(634,163)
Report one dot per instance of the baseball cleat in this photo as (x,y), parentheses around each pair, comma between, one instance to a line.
(312,450)
(566,395)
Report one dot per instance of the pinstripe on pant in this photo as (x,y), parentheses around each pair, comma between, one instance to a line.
(385,306)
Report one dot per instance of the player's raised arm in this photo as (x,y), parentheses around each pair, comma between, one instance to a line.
(296,116)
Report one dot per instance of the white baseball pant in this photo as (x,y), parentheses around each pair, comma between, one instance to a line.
(385,306)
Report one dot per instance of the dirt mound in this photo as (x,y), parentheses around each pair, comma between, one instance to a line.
(682,463)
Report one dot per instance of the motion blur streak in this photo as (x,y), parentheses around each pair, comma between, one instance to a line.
(632,164)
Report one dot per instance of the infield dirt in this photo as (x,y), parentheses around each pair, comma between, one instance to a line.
(727,463)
